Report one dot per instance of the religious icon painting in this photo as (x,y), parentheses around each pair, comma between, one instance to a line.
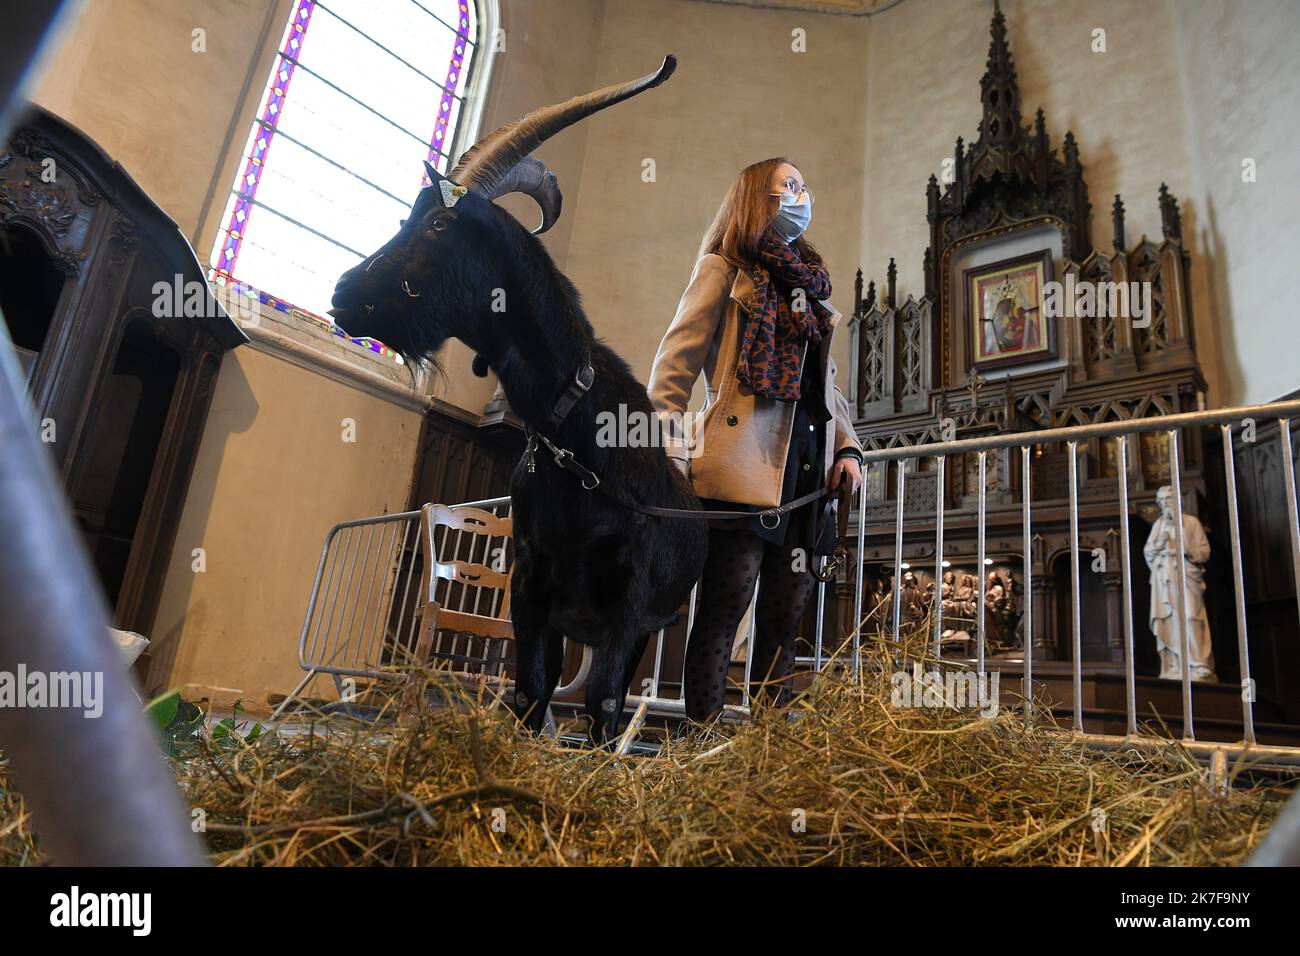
(1007,322)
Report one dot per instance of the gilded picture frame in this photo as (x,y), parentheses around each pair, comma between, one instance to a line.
(1006,320)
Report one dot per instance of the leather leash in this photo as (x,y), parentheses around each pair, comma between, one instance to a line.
(590,481)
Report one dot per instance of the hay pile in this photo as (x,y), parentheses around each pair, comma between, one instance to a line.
(17,840)
(840,777)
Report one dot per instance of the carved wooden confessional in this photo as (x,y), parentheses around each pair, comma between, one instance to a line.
(120,394)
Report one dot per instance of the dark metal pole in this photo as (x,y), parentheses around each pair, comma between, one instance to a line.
(97,786)
(1281,845)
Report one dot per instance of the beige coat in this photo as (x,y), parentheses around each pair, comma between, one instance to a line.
(737,450)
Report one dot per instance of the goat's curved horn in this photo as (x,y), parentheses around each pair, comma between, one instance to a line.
(531,177)
(484,167)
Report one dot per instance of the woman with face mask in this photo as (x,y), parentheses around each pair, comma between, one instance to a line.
(756,320)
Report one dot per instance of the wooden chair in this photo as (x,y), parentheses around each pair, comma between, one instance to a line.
(435,617)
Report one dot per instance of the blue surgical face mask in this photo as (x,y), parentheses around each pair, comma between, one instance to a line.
(792,219)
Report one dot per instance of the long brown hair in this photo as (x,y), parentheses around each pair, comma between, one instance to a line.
(745,214)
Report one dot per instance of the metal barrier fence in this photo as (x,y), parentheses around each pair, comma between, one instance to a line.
(361,617)
(1071,437)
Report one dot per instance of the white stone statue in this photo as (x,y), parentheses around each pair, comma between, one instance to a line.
(1161,552)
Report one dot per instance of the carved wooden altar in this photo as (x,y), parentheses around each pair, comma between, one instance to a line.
(910,376)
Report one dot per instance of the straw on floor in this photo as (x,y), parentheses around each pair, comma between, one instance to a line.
(839,777)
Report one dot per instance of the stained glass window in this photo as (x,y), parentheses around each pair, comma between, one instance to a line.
(360,94)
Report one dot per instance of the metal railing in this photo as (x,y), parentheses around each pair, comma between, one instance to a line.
(1072,437)
(361,613)
(364,609)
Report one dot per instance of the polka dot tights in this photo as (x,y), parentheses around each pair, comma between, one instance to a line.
(737,560)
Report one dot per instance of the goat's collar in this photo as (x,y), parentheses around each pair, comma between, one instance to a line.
(572,394)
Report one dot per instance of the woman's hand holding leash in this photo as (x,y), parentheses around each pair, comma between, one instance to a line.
(845,467)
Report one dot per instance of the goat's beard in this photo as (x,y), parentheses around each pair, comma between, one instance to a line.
(429,362)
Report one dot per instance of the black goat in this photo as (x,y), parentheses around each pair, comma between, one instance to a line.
(585,566)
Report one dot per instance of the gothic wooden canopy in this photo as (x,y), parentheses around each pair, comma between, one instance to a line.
(1009,177)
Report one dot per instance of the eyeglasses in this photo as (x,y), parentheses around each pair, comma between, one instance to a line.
(799,191)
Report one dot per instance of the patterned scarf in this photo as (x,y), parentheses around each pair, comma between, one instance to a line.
(786,312)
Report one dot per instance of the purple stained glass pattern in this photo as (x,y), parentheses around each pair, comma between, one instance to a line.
(380,88)
(286,308)
(455,70)
(276,92)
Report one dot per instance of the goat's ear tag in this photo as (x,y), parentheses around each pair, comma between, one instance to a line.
(451,193)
